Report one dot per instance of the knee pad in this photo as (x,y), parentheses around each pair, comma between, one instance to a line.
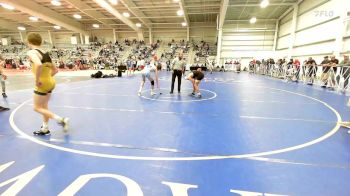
(152,83)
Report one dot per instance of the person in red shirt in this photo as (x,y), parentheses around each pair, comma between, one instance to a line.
(296,63)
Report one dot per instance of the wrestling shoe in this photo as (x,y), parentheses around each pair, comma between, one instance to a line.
(65,124)
(42,132)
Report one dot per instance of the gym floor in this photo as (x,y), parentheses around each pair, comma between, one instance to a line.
(248,135)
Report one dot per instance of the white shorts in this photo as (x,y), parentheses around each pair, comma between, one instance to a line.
(148,76)
(1,78)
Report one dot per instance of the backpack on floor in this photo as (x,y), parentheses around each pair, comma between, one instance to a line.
(97,75)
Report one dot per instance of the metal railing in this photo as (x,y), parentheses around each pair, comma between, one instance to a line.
(333,77)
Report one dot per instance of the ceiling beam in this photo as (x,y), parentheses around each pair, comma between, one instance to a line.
(131,6)
(119,16)
(182,7)
(44,13)
(202,13)
(88,10)
(222,15)
(258,5)
(260,20)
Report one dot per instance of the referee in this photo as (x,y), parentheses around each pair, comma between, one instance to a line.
(178,68)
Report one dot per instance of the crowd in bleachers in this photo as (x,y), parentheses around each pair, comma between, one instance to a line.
(329,73)
(202,49)
(97,55)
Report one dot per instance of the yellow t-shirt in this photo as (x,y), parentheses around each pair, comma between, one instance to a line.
(46,79)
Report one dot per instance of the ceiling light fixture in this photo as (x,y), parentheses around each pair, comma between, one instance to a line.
(55,2)
(126,14)
(77,16)
(7,6)
(252,20)
(264,3)
(180,13)
(113,2)
(33,18)
(184,24)
(57,27)
(21,28)
(96,25)
(138,25)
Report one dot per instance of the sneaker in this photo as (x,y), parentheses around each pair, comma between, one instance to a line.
(65,124)
(139,94)
(42,132)
(192,94)
(171,92)
(199,96)
(153,93)
(4,95)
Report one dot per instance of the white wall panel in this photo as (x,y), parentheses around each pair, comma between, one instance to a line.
(308,4)
(248,54)
(284,29)
(241,36)
(288,17)
(281,53)
(248,43)
(245,48)
(347,28)
(323,48)
(320,14)
(267,25)
(319,33)
(346,46)
(283,42)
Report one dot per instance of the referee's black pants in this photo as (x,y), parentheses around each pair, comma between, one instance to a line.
(178,74)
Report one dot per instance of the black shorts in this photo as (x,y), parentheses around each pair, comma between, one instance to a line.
(197,75)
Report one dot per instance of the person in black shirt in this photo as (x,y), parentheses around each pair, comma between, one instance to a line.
(333,63)
(196,77)
(325,71)
(311,63)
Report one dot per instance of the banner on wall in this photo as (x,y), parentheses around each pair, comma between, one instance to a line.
(87,40)
(74,40)
(5,41)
